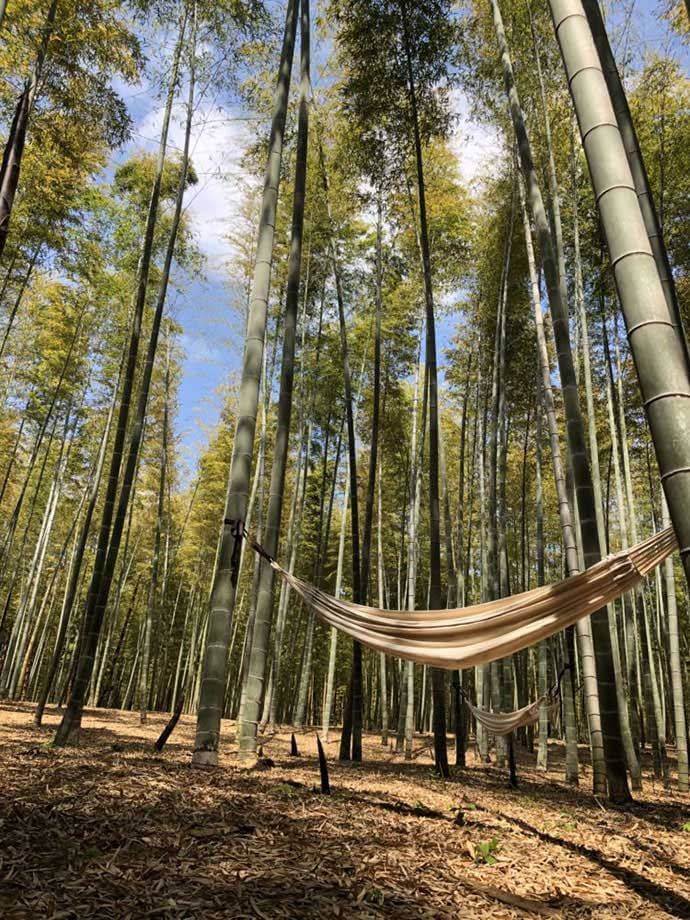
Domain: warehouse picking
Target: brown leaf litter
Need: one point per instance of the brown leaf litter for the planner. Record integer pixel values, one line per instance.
(111, 829)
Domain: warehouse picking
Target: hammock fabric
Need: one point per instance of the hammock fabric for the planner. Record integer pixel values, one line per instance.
(485, 632)
(503, 723)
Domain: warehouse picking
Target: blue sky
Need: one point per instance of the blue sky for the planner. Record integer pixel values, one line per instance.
(209, 309)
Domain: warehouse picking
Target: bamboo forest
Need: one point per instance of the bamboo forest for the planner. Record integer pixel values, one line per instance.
(344, 459)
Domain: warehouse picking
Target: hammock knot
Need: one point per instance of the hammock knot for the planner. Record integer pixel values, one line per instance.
(236, 528)
(240, 532)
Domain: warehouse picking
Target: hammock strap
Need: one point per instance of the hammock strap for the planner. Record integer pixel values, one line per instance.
(241, 531)
(555, 690)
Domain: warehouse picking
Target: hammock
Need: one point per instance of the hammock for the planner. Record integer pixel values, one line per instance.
(504, 723)
(485, 632)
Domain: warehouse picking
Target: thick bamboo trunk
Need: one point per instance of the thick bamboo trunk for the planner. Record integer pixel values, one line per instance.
(213, 677)
(608, 706)
(638, 171)
(14, 147)
(658, 350)
(264, 604)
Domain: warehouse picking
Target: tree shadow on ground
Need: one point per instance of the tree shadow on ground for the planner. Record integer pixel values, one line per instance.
(131, 831)
(280, 857)
(649, 890)
(162, 851)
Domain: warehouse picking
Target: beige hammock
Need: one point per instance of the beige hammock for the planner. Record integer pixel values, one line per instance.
(485, 632)
(503, 723)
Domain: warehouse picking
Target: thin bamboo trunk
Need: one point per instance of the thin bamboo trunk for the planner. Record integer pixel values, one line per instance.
(414, 491)
(564, 514)
(375, 415)
(322, 543)
(495, 445)
(108, 544)
(351, 735)
(27, 654)
(674, 653)
(436, 600)
(383, 679)
(542, 651)
(13, 457)
(18, 299)
(294, 530)
(17, 570)
(14, 517)
(152, 600)
(328, 701)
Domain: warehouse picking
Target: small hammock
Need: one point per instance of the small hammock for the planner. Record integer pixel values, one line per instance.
(484, 632)
(505, 723)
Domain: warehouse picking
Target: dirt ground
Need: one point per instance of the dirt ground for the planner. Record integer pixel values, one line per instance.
(111, 829)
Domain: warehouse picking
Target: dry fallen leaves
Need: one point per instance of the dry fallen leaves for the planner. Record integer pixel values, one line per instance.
(111, 829)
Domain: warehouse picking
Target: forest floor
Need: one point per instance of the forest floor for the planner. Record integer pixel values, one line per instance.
(112, 829)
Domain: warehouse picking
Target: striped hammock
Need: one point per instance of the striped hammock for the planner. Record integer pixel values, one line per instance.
(485, 632)
(504, 723)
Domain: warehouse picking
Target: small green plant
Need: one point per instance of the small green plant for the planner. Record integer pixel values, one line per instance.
(91, 853)
(686, 827)
(375, 896)
(485, 851)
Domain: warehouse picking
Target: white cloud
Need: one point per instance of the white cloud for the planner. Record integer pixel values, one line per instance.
(476, 144)
(201, 349)
(219, 138)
